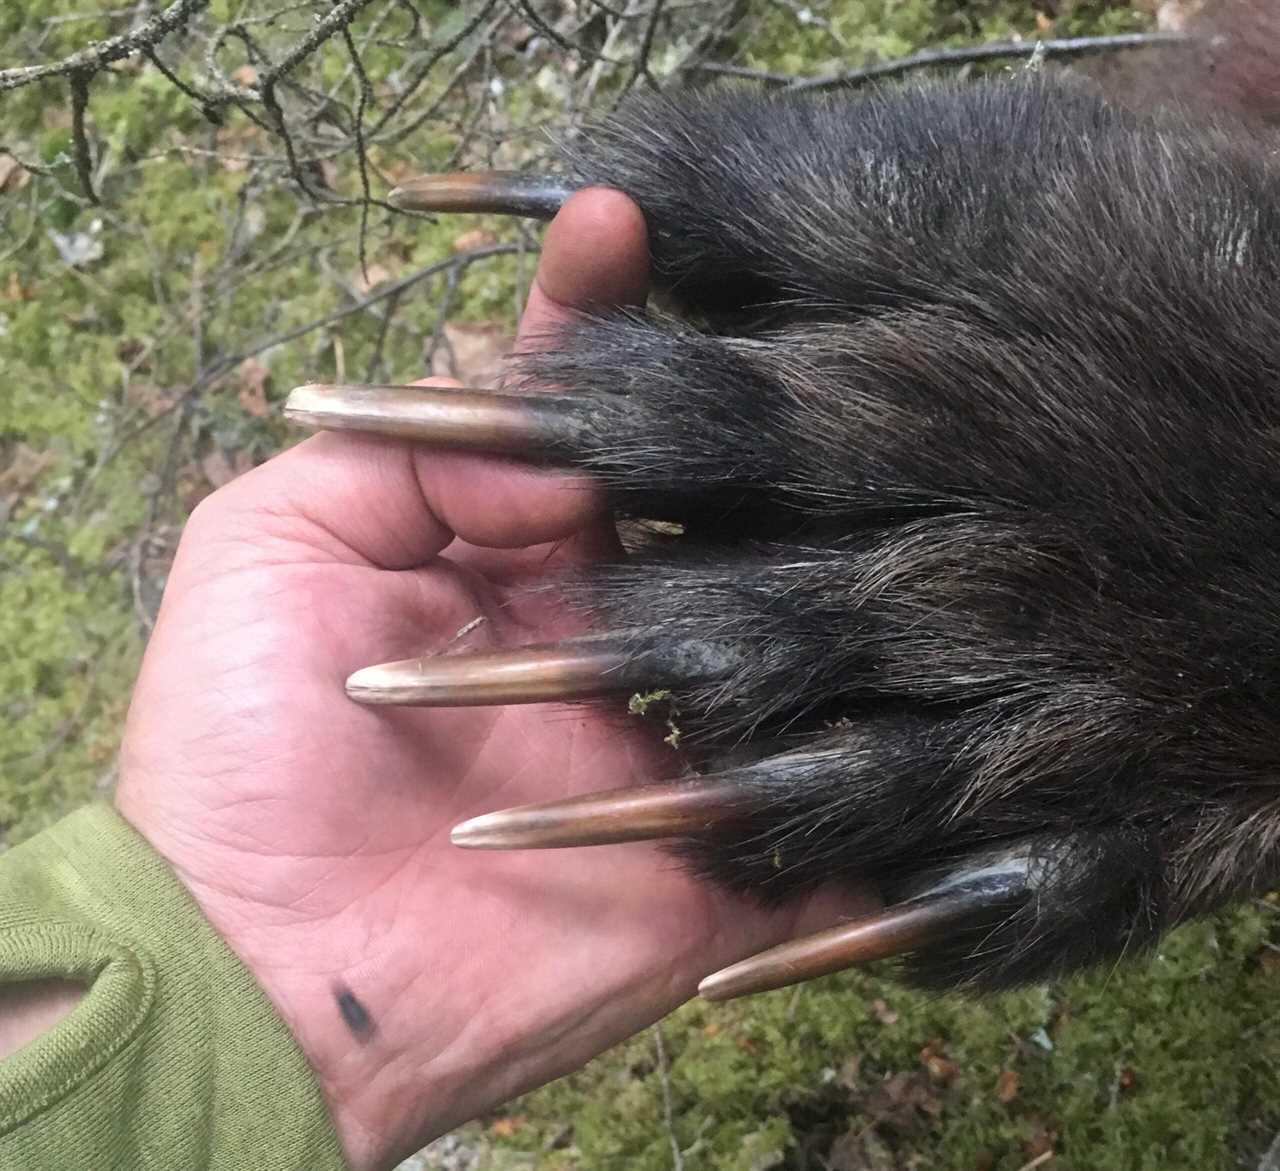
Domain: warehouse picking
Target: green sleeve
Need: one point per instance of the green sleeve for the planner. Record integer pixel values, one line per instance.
(174, 1059)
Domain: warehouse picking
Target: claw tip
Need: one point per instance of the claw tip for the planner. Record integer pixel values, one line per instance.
(302, 403)
(369, 685)
(714, 987)
(475, 834)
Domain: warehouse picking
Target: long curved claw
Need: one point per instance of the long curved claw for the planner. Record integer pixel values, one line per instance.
(602, 819)
(893, 932)
(957, 903)
(577, 669)
(534, 425)
(515, 193)
(531, 674)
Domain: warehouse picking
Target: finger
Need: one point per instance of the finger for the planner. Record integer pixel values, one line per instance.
(595, 255)
(363, 499)
(393, 505)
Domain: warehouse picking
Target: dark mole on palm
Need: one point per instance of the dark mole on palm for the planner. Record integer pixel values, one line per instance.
(354, 1014)
(967, 435)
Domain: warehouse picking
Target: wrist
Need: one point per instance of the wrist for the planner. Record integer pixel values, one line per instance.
(285, 954)
(404, 1050)
(30, 1008)
(347, 1023)
(390, 1084)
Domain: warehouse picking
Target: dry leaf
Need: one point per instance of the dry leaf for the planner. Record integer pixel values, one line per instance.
(476, 238)
(245, 75)
(516, 35)
(130, 351)
(252, 382)
(13, 175)
(860, 1149)
(883, 1013)
(472, 352)
(506, 1127)
(234, 144)
(1042, 1141)
(900, 1101)
(151, 398)
(15, 290)
(1007, 1086)
(939, 1068)
(364, 281)
(25, 465)
(218, 469)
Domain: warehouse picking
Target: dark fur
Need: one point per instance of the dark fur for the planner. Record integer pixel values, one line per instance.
(978, 454)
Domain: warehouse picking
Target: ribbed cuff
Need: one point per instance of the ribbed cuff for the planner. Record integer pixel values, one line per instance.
(174, 1058)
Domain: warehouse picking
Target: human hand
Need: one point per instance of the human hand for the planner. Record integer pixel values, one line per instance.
(314, 832)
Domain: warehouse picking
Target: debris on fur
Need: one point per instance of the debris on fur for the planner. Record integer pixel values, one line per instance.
(640, 703)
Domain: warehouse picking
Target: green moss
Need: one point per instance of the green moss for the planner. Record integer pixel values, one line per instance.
(1156, 1065)
(859, 32)
(98, 363)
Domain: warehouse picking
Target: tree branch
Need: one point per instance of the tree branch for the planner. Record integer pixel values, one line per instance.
(99, 55)
(79, 80)
(337, 19)
(952, 56)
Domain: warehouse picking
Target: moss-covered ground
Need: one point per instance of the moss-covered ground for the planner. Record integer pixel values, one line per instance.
(135, 382)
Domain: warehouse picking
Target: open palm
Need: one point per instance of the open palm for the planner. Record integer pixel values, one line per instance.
(314, 833)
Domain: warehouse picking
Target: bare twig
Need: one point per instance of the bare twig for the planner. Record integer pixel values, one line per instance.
(98, 56)
(362, 157)
(210, 111)
(374, 368)
(950, 57)
(337, 19)
(434, 58)
(641, 68)
(664, 1080)
(79, 81)
(1039, 1161)
(396, 288)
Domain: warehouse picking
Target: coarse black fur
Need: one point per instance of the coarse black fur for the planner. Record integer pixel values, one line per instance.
(976, 445)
